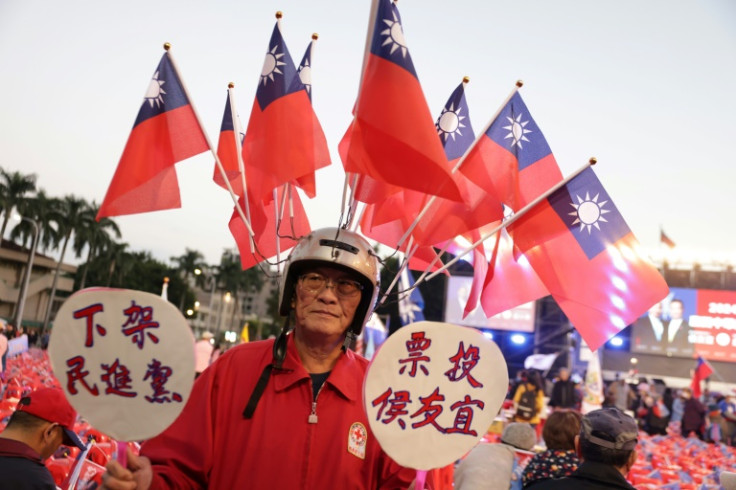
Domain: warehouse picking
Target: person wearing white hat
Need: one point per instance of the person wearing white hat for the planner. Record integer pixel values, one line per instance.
(285, 412)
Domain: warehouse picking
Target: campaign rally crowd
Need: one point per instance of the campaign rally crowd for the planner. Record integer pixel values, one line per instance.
(680, 442)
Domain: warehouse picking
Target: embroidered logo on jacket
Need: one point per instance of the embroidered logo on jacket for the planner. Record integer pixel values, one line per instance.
(357, 438)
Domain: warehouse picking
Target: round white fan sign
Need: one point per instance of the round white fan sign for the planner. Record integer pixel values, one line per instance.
(125, 360)
(432, 391)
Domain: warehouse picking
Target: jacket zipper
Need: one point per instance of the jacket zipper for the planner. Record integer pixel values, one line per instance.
(313, 416)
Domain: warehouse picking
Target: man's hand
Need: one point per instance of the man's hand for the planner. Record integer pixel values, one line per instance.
(137, 475)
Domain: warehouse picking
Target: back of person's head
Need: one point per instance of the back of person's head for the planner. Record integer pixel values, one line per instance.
(45, 405)
(560, 430)
(519, 435)
(608, 436)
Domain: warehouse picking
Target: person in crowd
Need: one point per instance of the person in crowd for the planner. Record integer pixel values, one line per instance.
(216, 352)
(563, 392)
(496, 466)
(606, 447)
(693, 415)
(42, 421)
(678, 409)
(288, 412)
(529, 399)
(727, 408)
(203, 353)
(560, 458)
(653, 415)
(619, 393)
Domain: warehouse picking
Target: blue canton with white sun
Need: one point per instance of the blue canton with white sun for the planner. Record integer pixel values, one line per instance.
(164, 92)
(515, 130)
(589, 213)
(278, 76)
(388, 37)
(453, 125)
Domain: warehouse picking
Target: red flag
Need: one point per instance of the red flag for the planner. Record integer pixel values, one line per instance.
(666, 240)
(284, 141)
(510, 281)
(392, 138)
(263, 222)
(588, 259)
(512, 160)
(227, 149)
(702, 371)
(166, 131)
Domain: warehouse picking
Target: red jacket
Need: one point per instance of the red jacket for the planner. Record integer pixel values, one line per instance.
(211, 445)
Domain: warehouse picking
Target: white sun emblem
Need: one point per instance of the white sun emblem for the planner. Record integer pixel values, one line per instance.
(589, 212)
(305, 75)
(450, 122)
(154, 92)
(517, 130)
(271, 65)
(394, 35)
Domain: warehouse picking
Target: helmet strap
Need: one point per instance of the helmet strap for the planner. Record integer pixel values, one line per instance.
(279, 354)
(349, 339)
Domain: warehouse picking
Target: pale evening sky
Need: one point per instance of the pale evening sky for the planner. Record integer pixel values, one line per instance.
(646, 87)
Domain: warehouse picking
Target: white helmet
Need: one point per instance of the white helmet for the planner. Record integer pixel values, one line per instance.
(342, 249)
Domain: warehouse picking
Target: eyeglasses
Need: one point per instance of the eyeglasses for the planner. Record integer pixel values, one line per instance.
(315, 283)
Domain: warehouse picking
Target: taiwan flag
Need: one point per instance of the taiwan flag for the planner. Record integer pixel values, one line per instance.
(446, 219)
(588, 259)
(702, 371)
(284, 140)
(322, 154)
(228, 148)
(512, 159)
(166, 131)
(392, 139)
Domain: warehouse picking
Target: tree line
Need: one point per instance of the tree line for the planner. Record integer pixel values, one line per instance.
(67, 225)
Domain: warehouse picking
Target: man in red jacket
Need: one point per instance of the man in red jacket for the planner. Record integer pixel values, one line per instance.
(301, 424)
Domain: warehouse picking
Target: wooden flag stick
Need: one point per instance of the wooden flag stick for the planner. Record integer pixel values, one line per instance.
(241, 164)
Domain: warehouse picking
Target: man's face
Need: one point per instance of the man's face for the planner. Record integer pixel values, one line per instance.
(564, 375)
(675, 310)
(325, 311)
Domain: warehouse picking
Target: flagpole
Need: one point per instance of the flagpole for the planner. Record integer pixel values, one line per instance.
(432, 199)
(241, 164)
(513, 218)
(366, 50)
(404, 264)
(167, 47)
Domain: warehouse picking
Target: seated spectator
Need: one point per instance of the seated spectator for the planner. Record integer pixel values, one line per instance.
(42, 422)
(560, 458)
(492, 466)
(606, 447)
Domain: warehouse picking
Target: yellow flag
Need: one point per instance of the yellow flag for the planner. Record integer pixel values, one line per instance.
(244, 337)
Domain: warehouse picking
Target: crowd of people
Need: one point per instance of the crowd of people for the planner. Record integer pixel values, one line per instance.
(288, 412)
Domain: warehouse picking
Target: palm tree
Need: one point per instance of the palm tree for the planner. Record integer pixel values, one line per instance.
(13, 189)
(44, 210)
(95, 236)
(115, 254)
(75, 219)
(185, 265)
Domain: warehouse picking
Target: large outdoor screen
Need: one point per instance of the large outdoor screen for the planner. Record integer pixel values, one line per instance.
(520, 318)
(687, 323)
